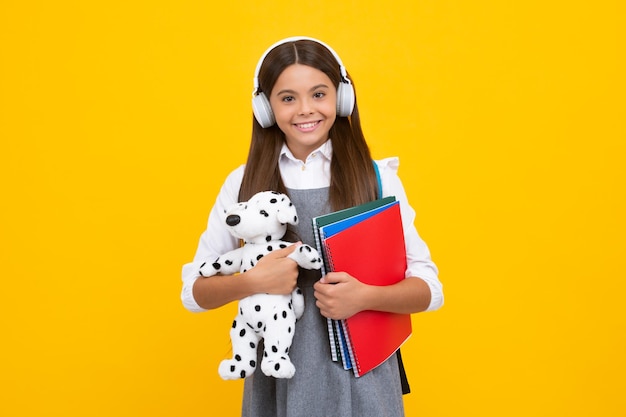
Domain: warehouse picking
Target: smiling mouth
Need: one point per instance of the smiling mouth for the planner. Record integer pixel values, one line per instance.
(307, 126)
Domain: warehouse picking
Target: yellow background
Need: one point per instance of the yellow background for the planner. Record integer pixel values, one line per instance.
(120, 119)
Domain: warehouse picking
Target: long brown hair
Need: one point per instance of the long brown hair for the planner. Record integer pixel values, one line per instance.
(353, 178)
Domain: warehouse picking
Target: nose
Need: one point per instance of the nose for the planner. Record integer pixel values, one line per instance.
(233, 220)
(306, 106)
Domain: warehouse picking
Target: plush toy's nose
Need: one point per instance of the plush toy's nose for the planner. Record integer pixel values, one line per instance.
(233, 220)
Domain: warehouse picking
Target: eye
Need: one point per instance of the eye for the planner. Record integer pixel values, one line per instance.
(319, 94)
(287, 99)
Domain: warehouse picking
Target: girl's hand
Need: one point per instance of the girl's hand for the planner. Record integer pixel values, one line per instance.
(275, 273)
(340, 295)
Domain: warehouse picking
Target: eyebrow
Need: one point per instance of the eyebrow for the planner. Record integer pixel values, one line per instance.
(287, 91)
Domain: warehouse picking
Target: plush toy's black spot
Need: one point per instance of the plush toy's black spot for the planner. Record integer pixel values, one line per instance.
(289, 305)
(259, 257)
(242, 333)
(257, 307)
(234, 323)
(245, 270)
(259, 324)
(243, 374)
(253, 363)
(284, 314)
(265, 354)
(277, 366)
(275, 316)
(306, 247)
(290, 204)
(237, 358)
(251, 263)
(216, 265)
(274, 349)
(264, 213)
(295, 219)
(232, 368)
(241, 312)
(250, 326)
(252, 345)
(268, 238)
(289, 329)
(270, 248)
(229, 262)
(283, 246)
(273, 201)
(298, 291)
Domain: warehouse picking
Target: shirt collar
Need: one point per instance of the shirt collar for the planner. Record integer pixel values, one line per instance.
(326, 149)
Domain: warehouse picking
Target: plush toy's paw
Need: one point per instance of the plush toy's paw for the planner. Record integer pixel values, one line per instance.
(207, 270)
(307, 257)
(226, 265)
(236, 368)
(278, 367)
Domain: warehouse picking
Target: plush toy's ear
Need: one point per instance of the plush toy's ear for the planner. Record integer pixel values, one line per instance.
(286, 212)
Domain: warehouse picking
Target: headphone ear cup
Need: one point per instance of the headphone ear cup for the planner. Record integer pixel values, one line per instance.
(345, 99)
(262, 110)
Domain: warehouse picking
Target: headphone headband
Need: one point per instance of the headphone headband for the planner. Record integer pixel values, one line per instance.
(342, 69)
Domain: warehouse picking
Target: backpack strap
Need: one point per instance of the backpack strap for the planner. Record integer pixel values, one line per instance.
(404, 382)
(380, 183)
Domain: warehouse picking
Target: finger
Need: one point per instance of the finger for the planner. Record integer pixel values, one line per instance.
(333, 278)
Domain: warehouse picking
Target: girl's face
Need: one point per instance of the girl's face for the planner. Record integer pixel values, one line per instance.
(304, 102)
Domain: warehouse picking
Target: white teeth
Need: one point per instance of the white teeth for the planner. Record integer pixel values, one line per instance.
(307, 125)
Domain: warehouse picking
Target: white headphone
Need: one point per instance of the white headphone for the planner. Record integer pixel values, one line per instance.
(261, 105)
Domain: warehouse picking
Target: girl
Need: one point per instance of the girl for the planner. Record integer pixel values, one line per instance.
(307, 142)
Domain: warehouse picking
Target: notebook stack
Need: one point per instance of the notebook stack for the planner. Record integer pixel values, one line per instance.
(367, 242)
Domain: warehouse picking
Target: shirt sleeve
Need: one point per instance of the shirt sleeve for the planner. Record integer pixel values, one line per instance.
(419, 262)
(214, 241)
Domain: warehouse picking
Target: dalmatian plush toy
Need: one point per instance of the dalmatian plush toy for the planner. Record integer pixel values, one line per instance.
(261, 222)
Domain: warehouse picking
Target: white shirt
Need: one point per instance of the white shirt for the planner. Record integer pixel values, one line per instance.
(311, 174)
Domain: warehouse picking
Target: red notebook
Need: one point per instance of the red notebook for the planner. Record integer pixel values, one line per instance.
(373, 251)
